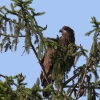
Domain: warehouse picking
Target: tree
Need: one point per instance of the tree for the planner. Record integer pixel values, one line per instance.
(25, 26)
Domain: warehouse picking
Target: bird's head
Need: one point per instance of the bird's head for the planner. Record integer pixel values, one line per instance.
(67, 33)
(66, 30)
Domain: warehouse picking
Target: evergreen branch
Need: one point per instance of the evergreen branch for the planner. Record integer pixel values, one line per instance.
(5, 78)
(2, 76)
(88, 66)
(26, 23)
(12, 12)
(7, 19)
(82, 50)
(1, 34)
(43, 28)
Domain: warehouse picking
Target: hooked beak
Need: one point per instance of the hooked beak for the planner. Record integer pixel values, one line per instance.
(60, 30)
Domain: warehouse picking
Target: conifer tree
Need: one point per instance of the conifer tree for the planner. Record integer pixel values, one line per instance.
(26, 26)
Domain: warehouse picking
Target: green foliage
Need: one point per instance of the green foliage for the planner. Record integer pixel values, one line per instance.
(25, 26)
(25, 22)
(21, 92)
(63, 60)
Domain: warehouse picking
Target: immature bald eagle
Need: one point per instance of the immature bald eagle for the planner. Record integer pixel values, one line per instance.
(66, 38)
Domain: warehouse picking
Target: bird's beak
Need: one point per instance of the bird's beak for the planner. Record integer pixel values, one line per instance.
(60, 30)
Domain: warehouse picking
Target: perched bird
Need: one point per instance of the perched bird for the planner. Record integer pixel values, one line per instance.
(66, 38)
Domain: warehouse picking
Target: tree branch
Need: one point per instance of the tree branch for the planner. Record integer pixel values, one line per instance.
(73, 88)
(11, 82)
(69, 86)
(85, 70)
(1, 34)
(39, 61)
(66, 82)
(7, 19)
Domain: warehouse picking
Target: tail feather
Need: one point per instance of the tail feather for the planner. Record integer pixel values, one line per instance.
(44, 84)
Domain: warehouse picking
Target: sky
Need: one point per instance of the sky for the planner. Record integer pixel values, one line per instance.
(72, 13)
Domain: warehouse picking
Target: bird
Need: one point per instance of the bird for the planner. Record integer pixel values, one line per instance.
(67, 37)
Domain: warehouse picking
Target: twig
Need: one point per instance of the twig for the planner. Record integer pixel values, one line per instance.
(83, 86)
(64, 84)
(1, 34)
(23, 53)
(39, 61)
(73, 88)
(85, 70)
(11, 82)
(3, 76)
(7, 19)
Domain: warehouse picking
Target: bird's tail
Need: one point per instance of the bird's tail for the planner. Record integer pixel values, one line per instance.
(44, 84)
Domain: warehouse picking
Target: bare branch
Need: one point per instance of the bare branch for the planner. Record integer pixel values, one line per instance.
(85, 71)
(1, 34)
(69, 86)
(39, 61)
(66, 82)
(74, 87)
